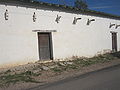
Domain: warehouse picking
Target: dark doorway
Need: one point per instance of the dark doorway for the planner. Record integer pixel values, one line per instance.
(114, 42)
(45, 46)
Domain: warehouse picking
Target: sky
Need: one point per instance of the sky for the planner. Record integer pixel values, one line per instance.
(107, 6)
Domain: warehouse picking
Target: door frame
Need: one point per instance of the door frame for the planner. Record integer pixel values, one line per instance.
(50, 44)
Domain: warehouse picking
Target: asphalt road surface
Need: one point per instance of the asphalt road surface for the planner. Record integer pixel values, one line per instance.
(106, 79)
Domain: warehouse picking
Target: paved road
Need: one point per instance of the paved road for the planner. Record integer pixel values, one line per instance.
(107, 79)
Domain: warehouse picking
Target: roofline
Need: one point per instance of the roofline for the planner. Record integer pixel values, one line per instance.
(49, 6)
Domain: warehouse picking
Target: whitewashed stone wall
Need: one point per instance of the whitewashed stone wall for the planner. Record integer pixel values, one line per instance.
(19, 44)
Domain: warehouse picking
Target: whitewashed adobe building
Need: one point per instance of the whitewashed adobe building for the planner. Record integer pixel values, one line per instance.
(31, 31)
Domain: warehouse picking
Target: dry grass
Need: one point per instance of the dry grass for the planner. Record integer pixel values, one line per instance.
(10, 77)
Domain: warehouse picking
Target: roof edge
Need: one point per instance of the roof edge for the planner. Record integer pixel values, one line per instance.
(37, 4)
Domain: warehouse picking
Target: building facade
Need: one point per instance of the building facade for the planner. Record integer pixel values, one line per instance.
(31, 33)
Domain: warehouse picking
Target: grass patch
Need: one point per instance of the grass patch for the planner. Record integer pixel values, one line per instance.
(83, 62)
(96, 59)
(72, 66)
(29, 73)
(68, 67)
(8, 79)
(56, 69)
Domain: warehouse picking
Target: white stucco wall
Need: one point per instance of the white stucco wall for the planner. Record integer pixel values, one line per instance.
(19, 44)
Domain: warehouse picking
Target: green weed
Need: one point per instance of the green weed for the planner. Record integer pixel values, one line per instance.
(8, 79)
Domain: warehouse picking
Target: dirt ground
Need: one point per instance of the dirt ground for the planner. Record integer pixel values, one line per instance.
(49, 76)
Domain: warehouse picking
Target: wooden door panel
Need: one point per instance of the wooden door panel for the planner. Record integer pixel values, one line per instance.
(114, 42)
(44, 53)
(44, 46)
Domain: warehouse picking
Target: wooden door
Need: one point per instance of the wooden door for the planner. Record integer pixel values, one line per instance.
(44, 46)
(114, 42)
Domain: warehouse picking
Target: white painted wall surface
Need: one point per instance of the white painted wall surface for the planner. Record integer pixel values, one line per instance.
(19, 44)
